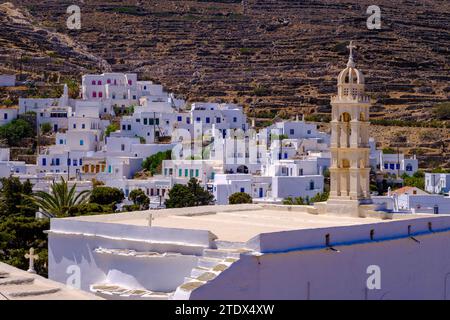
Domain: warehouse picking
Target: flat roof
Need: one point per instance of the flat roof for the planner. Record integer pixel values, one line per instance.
(16, 284)
(239, 223)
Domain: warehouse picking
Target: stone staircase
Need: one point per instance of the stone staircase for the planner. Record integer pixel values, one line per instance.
(17, 284)
(210, 265)
(21, 287)
(117, 292)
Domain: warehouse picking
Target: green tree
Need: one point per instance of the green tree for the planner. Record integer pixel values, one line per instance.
(106, 195)
(139, 199)
(190, 195)
(19, 230)
(201, 196)
(17, 235)
(60, 199)
(46, 128)
(240, 197)
(90, 209)
(15, 131)
(154, 162)
(180, 196)
(13, 198)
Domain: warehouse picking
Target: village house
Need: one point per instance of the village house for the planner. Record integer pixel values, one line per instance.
(397, 164)
(7, 114)
(437, 182)
(7, 80)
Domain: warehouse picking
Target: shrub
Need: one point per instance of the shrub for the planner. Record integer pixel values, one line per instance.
(8, 102)
(240, 197)
(320, 197)
(442, 111)
(90, 209)
(111, 128)
(46, 128)
(261, 91)
(389, 150)
(130, 208)
(288, 201)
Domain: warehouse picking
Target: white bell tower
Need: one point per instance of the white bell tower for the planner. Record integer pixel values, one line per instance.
(350, 167)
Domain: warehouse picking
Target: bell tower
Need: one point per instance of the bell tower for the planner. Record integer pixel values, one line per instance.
(350, 167)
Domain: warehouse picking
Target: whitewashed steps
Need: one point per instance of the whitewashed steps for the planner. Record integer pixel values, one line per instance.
(27, 291)
(15, 281)
(206, 262)
(197, 271)
(221, 253)
(117, 292)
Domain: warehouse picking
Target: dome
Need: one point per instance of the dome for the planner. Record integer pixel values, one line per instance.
(351, 75)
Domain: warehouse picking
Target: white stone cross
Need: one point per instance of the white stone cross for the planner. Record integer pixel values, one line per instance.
(32, 257)
(351, 47)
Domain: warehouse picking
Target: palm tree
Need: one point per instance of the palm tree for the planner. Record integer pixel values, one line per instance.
(60, 199)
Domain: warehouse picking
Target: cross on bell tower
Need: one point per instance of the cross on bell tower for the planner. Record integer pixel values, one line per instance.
(350, 62)
(350, 168)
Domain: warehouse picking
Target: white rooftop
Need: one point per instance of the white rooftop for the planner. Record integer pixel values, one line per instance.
(239, 223)
(16, 284)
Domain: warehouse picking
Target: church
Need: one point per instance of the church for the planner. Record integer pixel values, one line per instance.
(345, 248)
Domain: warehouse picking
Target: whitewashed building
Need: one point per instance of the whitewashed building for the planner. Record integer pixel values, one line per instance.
(205, 253)
(437, 182)
(7, 114)
(7, 80)
(83, 138)
(397, 164)
(56, 117)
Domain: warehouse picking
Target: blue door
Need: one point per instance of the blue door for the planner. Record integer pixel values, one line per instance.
(261, 192)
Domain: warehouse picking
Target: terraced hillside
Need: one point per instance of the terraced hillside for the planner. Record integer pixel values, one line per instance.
(280, 57)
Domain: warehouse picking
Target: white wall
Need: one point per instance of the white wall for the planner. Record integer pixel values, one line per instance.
(70, 244)
(283, 187)
(409, 270)
(7, 115)
(437, 182)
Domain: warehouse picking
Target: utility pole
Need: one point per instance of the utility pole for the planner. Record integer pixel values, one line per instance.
(154, 127)
(68, 165)
(37, 138)
(21, 67)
